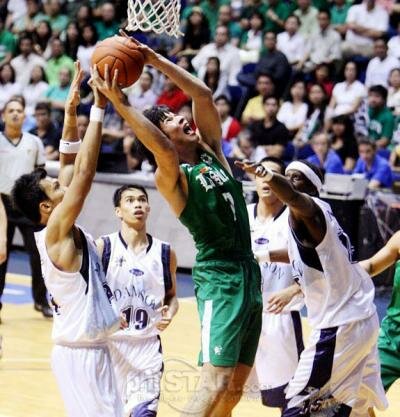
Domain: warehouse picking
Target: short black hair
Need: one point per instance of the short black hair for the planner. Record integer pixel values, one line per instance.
(43, 105)
(222, 97)
(366, 141)
(267, 97)
(119, 191)
(380, 90)
(276, 161)
(325, 11)
(157, 114)
(27, 194)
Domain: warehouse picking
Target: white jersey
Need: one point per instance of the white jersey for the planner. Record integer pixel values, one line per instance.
(138, 282)
(272, 235)
(81, 301)
(336, 290)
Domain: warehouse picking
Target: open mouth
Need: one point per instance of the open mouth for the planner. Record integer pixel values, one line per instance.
(138, 213)
(187, 130)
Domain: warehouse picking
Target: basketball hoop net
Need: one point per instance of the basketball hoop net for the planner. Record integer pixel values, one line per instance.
(159, 16)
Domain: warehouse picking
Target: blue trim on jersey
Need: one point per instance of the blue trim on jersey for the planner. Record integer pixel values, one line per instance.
(150, 239)
(84, 270)
(274, 397)
(309, 256)
(122, 240)
(298, 331)
(105, 257)
(166, 262)
(142, 410)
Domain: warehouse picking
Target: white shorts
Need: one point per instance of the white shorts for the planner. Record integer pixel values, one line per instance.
(138, 367)
(339, 372)
(86, 380)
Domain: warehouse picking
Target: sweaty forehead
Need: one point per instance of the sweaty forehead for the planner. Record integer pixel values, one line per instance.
(133, 192)
(295, 172)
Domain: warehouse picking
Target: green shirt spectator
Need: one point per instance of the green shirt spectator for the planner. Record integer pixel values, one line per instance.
(381, 124)
(57, 20)
(107, 26)
(320, 4)
(225, 18)
(7, 44)
(275, 13)
(57, 61)
(339, 13)
(210, 9)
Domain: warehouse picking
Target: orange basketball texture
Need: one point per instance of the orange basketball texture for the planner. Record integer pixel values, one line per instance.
(122, 54)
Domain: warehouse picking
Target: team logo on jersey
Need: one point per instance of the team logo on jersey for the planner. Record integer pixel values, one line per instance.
(204, 170)
(218, 350)
(206, 158)
(120, 261)
(261, 241)
(136, 272)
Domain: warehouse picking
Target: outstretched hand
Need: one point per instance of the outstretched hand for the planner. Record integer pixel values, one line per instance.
(74, 97)
(251, 167)
(150, 57)
(105, 87)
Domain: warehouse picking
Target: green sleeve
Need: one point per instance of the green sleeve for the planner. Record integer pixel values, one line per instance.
(388, 126)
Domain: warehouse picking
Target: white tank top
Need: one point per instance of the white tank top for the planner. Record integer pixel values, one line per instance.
(81, 301)
(138, 282)
(272, 235)
(336, 290)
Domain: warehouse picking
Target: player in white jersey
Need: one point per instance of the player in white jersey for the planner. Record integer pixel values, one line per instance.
(71, 267)
(141, 272)
(338, 372)
(281, 339)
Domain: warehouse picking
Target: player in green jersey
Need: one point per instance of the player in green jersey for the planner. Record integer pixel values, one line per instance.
(194, 177)
(389, 336)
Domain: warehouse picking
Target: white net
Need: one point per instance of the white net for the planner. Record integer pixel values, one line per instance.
(159, 16)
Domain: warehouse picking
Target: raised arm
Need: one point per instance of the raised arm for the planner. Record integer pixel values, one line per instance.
(385, 258)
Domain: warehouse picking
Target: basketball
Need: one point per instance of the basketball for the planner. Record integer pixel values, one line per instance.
(122, 54)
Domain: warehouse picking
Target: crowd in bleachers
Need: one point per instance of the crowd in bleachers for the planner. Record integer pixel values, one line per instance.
(317, 80)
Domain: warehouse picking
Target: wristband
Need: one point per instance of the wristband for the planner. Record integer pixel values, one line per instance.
(96, 114)
(264, 172)
(69, 147)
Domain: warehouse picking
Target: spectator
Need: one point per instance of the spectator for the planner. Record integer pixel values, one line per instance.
(322, 77)
(339, 10)
(347, 95)
(24, 63)
(41, 39)
(270, 136)
(184, 61)
(365, 22)
(8, 86)
(47, 131)
(133, 160)
(381, 65)
(375, 168)
(324, 156)
(84, 15)
(20, 153)
(323, 45)
(227, 54)
(214, 79)
(344, 142)
(381, 121)
(276, 13)
(230, 126)
(82, 122)
(244, 149)
(225, 18)
(143, 97)
(57, 62)
(251, 40)
(211, 9)
(291, 42)
(394, 44)
(57, 94)
(172, 96)
(250, 7)
(87, 44)
(393, 100)
(35, 90)
(293, 112)
(308, 17)
(57, 20)
(7, 44)
(72, 39)
(33, 16)
(254, 109)
(107, 26)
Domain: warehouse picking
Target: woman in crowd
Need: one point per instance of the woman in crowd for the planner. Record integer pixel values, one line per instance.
(88, 42)
(41, 38)
(71, 39)
(216, 79)
(8, 86)
(251, 41)
(393, 100)
(34, 91)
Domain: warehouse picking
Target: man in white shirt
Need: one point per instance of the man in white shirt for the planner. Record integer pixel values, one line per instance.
(308, 17)
(143, 97)
(379, 68)
(227, 54)
(365, 22)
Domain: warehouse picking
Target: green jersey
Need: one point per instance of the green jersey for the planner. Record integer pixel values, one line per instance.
(215, 212)
(393, 310)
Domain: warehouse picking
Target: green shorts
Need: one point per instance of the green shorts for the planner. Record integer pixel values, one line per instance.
(229, 302)
(389, 352)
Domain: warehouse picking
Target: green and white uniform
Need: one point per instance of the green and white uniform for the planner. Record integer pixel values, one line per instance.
(389, 336)
(226, 275)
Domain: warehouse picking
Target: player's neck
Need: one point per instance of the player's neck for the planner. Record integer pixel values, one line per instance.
(189, 154)
(267, 210)
(12, 132)
(136, 239)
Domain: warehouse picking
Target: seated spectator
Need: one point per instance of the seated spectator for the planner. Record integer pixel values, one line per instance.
(276, 13)
(291, 42)
(7, 44)
(393, 100)
(230, 126)
(41, 39)
(57, 94)
(143, 96)
(24, 63)
(225, 18)
(184, 61)
(293, 112)
(82, 123)
(381, 121)
(8, 86)
(339, 11)
(214, 79)
(375, 168)
(251, 40)
(57, 20)
(84, 15)
(308, 17)
(325, 157)
(33, 16)
(133, 159)
(365, 23)
(343, 142)
(269, 135)
(254, 109)
(57, 62)
(323, 45)
(47, 131)
(35, 90)
(211, 11)
(106, 25)
(244, 148)
(227, 54)
(347, 95)
(86, 47)
(322, 77)
(71, 37)
(172, 96)
(381, 65)
(394, 44)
